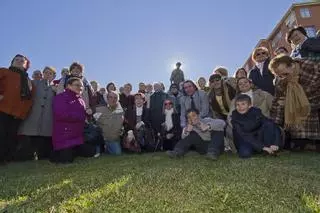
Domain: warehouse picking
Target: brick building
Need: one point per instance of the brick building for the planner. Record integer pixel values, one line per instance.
(300, 14)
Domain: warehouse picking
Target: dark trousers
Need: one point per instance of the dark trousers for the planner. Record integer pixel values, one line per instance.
(216, 146)
(168, 144)
(31, 147)
(193, 139)
(8, 135)
(267, 135)
(42, 146)
(68, 155)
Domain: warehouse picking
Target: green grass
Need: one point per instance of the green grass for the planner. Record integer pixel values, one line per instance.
(155, 183)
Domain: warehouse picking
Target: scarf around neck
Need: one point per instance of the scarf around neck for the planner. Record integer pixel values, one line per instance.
(168, 119)
(297, 106)
(25, 91)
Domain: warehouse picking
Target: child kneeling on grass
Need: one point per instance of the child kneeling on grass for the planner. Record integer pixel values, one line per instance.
(252, 131)
(207, 135)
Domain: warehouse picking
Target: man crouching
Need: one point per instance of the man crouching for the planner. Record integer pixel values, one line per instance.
(204, 134)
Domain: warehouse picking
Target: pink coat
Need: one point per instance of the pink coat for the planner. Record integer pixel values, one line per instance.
(68, 120)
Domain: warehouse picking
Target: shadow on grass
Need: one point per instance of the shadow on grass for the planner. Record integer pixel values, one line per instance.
(155, 183)
(36, 191)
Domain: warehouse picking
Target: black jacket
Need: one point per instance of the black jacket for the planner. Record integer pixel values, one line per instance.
(264, 81)
(156, 110)
(130, 118)
(176, 130)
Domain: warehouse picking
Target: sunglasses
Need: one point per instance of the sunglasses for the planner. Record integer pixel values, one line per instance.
(168, 103)
(261, 53)
(215, 80)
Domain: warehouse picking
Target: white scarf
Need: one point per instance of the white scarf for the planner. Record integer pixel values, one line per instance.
(260, 67)
(139, 111)
(168, 121)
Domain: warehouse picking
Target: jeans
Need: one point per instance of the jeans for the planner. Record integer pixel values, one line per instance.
(112, 147)
(269, 134)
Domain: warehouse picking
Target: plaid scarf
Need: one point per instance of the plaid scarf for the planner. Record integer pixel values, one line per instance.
(297, 106)
(25, 91)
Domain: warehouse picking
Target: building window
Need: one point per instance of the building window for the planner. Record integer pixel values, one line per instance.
(291, 20)
(311, 31)
(276, 39)
(305, 13)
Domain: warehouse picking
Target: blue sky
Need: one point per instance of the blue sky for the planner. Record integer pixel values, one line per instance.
(136, 40)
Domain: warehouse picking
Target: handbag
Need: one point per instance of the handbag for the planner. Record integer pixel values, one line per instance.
(93, 134)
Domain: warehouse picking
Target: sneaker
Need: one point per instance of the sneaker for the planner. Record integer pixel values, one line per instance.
(173, 154)
(212, 156)
(96, 155)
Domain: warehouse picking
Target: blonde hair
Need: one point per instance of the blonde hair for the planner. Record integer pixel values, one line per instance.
(52, 69)
(253, 56)
(280, 59)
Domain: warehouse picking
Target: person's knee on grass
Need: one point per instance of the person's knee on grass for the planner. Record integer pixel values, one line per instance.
(251, 128)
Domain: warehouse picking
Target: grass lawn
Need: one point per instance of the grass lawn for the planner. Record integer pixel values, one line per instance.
(155, 183)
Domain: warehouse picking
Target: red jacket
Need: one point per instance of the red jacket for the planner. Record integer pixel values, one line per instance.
(12, 104)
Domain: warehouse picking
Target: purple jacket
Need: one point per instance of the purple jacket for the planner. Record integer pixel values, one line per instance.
(68, 120)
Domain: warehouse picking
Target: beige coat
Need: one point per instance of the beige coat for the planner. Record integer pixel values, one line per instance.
(111, 122)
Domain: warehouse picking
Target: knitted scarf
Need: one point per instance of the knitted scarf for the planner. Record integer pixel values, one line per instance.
(25, 91)
(297, 106)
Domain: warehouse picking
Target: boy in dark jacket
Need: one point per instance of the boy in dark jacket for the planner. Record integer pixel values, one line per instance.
(252, 131)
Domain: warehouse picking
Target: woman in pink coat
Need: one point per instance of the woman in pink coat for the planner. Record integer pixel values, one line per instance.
(69, 117)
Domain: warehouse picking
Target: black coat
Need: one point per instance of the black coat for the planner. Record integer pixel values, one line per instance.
(265, 81)
(249, 122)
(156, 110)
(311, 49)
(130, 118)
(176, 130)
(127, 102)
(248, 126)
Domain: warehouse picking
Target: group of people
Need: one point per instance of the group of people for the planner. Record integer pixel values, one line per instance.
(273, 106)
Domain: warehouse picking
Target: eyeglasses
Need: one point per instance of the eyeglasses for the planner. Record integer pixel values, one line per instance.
(261, 53)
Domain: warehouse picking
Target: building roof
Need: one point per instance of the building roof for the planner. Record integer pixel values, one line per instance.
(276, 28)
(274, 31)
